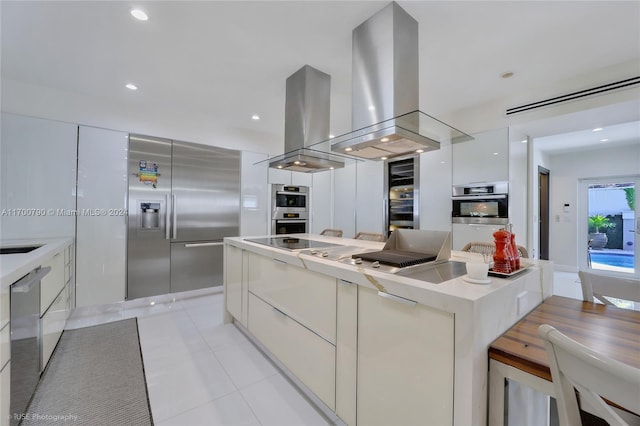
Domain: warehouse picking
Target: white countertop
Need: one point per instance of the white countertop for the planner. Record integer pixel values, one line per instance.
(15, 266)
(442, 296)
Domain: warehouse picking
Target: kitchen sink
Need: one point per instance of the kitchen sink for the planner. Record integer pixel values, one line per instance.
(18, 249)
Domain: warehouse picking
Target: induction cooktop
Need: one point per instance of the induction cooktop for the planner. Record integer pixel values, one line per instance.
(291, 243)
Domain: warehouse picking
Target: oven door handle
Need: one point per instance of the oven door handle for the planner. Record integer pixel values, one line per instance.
(291, 221)
(480, 197)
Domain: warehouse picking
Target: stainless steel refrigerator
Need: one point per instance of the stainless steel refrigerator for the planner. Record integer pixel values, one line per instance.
(184, 198)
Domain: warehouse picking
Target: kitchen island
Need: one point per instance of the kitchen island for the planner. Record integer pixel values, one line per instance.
(55, 301)
(369, 346)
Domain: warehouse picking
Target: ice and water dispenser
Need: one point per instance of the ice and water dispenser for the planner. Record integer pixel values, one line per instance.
(150, 216)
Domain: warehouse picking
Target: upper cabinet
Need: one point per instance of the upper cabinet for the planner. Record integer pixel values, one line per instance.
(484, 159)
(38, 177)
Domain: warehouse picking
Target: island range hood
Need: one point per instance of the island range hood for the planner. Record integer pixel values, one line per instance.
(385, 89)
(307, 123)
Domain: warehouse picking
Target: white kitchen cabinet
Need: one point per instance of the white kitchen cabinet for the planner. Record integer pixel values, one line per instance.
(307, 297)
(4, 305)
(463, 233)
(308, 356)
(69, 276)
(370, 196)
(405, 362)
(346, 351)
(101, 237)
(5, 344)
(321, 203)
(52, 325)
(255, 195)
(5, 388)
(38, 176)
(435, 189)
(233, 285)
(344, 207)
(483, 159)
(52, 283)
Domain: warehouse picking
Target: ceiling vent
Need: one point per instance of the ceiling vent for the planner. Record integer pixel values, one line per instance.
(622, 84)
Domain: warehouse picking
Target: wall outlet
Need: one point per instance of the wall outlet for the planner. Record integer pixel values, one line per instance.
(521, 303)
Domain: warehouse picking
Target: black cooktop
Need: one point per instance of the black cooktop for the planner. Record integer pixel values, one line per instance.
(397, 258)
(291, 243)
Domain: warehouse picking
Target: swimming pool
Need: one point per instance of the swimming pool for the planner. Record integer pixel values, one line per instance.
(623, 260)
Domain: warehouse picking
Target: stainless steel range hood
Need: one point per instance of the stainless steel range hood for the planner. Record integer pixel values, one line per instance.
(307, 123)
(385, 91)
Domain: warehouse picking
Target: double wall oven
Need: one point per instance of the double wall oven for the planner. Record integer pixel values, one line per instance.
(290, 210)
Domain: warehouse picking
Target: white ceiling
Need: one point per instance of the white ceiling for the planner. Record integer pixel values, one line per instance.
(219, 62)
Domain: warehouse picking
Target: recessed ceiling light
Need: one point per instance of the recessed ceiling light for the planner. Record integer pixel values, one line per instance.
(508, 74)
(131, 86)
(280, 166)
(139, 15)
(348, 149)
(383, 158)
(604, 140)
(419, 151)
(331, 168)
(255, 117)
(384, 140)
(597, 129)
(297, 163)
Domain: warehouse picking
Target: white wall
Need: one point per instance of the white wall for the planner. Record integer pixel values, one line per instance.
(566, 170)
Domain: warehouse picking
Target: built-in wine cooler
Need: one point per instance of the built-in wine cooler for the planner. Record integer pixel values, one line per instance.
(402, 192)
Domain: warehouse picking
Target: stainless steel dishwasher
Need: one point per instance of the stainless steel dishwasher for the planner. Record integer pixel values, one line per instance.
(25, 341)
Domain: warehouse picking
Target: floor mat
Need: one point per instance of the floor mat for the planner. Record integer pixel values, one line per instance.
(95, 377)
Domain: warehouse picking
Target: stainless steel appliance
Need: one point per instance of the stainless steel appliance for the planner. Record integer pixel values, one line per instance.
(402, 194)
(290, 212)
(306, 122)
(481, 203)
(385, 118)
(407, 248)
(292, 243)
(25, 341)
(184, 198)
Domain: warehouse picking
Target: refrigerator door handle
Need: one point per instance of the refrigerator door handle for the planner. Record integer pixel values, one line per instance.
(190, 245)
(174, 212)
(167, 235)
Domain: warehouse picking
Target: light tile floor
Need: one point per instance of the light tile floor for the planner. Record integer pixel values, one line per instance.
(203, 372)
(200, 371)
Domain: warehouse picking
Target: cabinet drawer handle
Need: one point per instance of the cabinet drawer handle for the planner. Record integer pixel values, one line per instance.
(282, 262)
(279, 312)
(397, 298)
(345, 282)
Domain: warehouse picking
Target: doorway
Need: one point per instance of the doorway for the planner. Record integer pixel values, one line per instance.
(543, 213)
(609, 226)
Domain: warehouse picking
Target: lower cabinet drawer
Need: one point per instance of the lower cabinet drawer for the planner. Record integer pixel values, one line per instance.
(53, 282)
(52, 324)
(5, 342)
(304, 353)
